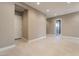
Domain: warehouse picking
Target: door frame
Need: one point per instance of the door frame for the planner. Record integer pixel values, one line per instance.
(58, 18)
(20, 24)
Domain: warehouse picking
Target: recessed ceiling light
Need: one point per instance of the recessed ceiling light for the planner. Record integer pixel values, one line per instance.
(38, 3)
(47, 10)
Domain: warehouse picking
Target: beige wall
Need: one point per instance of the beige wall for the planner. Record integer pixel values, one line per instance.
(25, 24)
(37, 24)
(70, 25)
(34, 23)
(7, 30)
(50, 26)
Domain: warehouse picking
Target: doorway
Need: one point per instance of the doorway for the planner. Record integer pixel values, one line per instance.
(18, 25)
(58, 28)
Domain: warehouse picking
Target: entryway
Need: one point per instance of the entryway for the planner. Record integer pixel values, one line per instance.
(58, 29)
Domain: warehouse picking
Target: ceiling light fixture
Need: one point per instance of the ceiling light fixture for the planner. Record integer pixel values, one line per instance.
(38, 3)
(47, 10)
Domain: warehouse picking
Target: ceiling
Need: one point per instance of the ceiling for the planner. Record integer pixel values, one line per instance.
(52, 9)
(18, 8)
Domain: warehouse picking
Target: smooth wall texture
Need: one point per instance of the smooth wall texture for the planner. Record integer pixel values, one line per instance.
(25, 24)
(70, 25)
(50, 26)
(18, 26)
(7, 27)
(34, 23)
(37, 24)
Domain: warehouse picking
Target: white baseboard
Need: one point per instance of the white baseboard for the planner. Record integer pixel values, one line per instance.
(33, 40)
(70, 37)
(6, 48)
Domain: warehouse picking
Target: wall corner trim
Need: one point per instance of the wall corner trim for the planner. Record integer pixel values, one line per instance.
(8, 47)
(33, 40)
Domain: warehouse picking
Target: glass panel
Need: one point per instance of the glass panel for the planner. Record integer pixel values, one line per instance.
(58, 27)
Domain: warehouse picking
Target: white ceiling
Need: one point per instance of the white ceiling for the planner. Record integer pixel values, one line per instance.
(56, 8)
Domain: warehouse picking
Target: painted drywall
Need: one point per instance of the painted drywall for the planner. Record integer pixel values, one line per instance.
(70, 25)
(37, 24)
(7, 27)
(18, 25)
(50, 26)
(25, 24)
(34, 23)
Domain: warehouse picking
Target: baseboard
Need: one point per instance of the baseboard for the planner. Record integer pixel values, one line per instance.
(6, 48)
(70, 37)
(33, 40)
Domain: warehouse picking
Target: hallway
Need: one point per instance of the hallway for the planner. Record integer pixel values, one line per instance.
(48, 46)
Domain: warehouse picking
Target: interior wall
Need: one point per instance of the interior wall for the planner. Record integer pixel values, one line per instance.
(70, 25)
(37, 24)
(7, 28)
(51, 26)
(18, 25)
(34, 23)
(25, 24)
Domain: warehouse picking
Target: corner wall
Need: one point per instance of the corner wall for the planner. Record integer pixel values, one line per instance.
(37, 24)
(25, 24)
(7, 25)
(70, 25)
(34, 23)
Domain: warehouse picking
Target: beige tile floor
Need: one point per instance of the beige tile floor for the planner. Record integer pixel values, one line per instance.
(45, 47)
